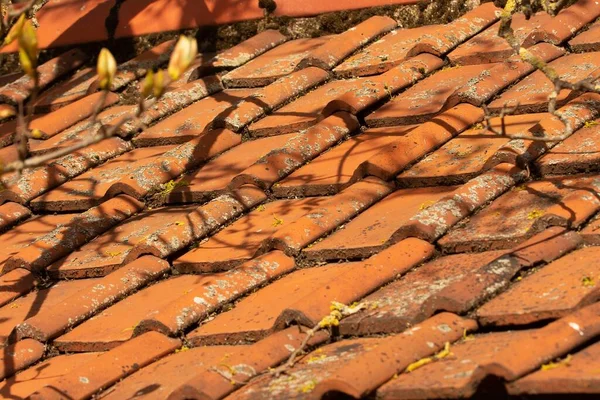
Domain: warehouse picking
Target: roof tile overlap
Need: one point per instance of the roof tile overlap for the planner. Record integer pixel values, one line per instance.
(280, 175)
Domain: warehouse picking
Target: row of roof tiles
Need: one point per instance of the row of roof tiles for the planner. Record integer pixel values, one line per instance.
(403, 192)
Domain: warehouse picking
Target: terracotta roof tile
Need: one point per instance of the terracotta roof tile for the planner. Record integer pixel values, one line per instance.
(204, 220)
(580, 377)
(109, 368)
(552, 292)
(273, 64)
(39, 301)
(524, 211)
(576, 114)
(298, 150)
(11, 214)
(578, 153)
(52, 123)
(435, 220)
(214, 221)
(20, 355)
(39, 375)
(265, 99)
(137, 172)
(245, 362)
(162, 377)
(488, 47)
(341, 46)
(468, 154)
(356, 367)
(394, 157)
(507, 355)
(473, 84)
(102, 292)
(304, 296)
(212, 291)
(248, 49)
(532, 92)
(14, 284)
(328, 216)
(241, 240)
(107, 252)
(190, 122)
(170, 305)
(24, 234)
(588, 40)
(332, 170)
(49, 72)
(79, 230)
(351, 95)
(454, 283)
(71, 89)
(89, 188)
(33, 182)
(79, 131)
(401, 44)
(370, 231)
(213, 177)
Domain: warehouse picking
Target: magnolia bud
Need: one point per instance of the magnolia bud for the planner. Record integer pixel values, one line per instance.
(28, 50)
(106, 68)
(36, 133)
(15, 30)
(7, 112)
(184, 53)
(159, 83)
(148, 84)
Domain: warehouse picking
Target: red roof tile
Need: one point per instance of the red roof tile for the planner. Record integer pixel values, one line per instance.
(26, 382)
(109, 368)
(304, 296)
(556, 290)
(356, 367)
(524, 211)
(507, 355)
(214, 222)
(579, 378)
(273, 64)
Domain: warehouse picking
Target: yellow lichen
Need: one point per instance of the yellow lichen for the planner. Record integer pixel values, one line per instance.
(467, 337)
(179, 223)
(112, 253)
(588, 281)
(589, 124)
(168, 187)
(182, 349)
(535, 214)
(445, 352)
(418, 364)
(314, 359)
(426, 204)
(565, 362)
(277, 221)
(308, 387)
(261, 208)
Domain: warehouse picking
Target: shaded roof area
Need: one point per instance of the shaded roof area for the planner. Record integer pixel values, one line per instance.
(188, 259)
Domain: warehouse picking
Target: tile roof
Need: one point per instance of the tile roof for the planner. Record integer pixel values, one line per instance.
(188, 259)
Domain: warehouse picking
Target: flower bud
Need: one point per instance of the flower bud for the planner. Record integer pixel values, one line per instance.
(159, 83)
(106, 68)
(184, 53)
(15, 30)
(148, 84)
(28, 50)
